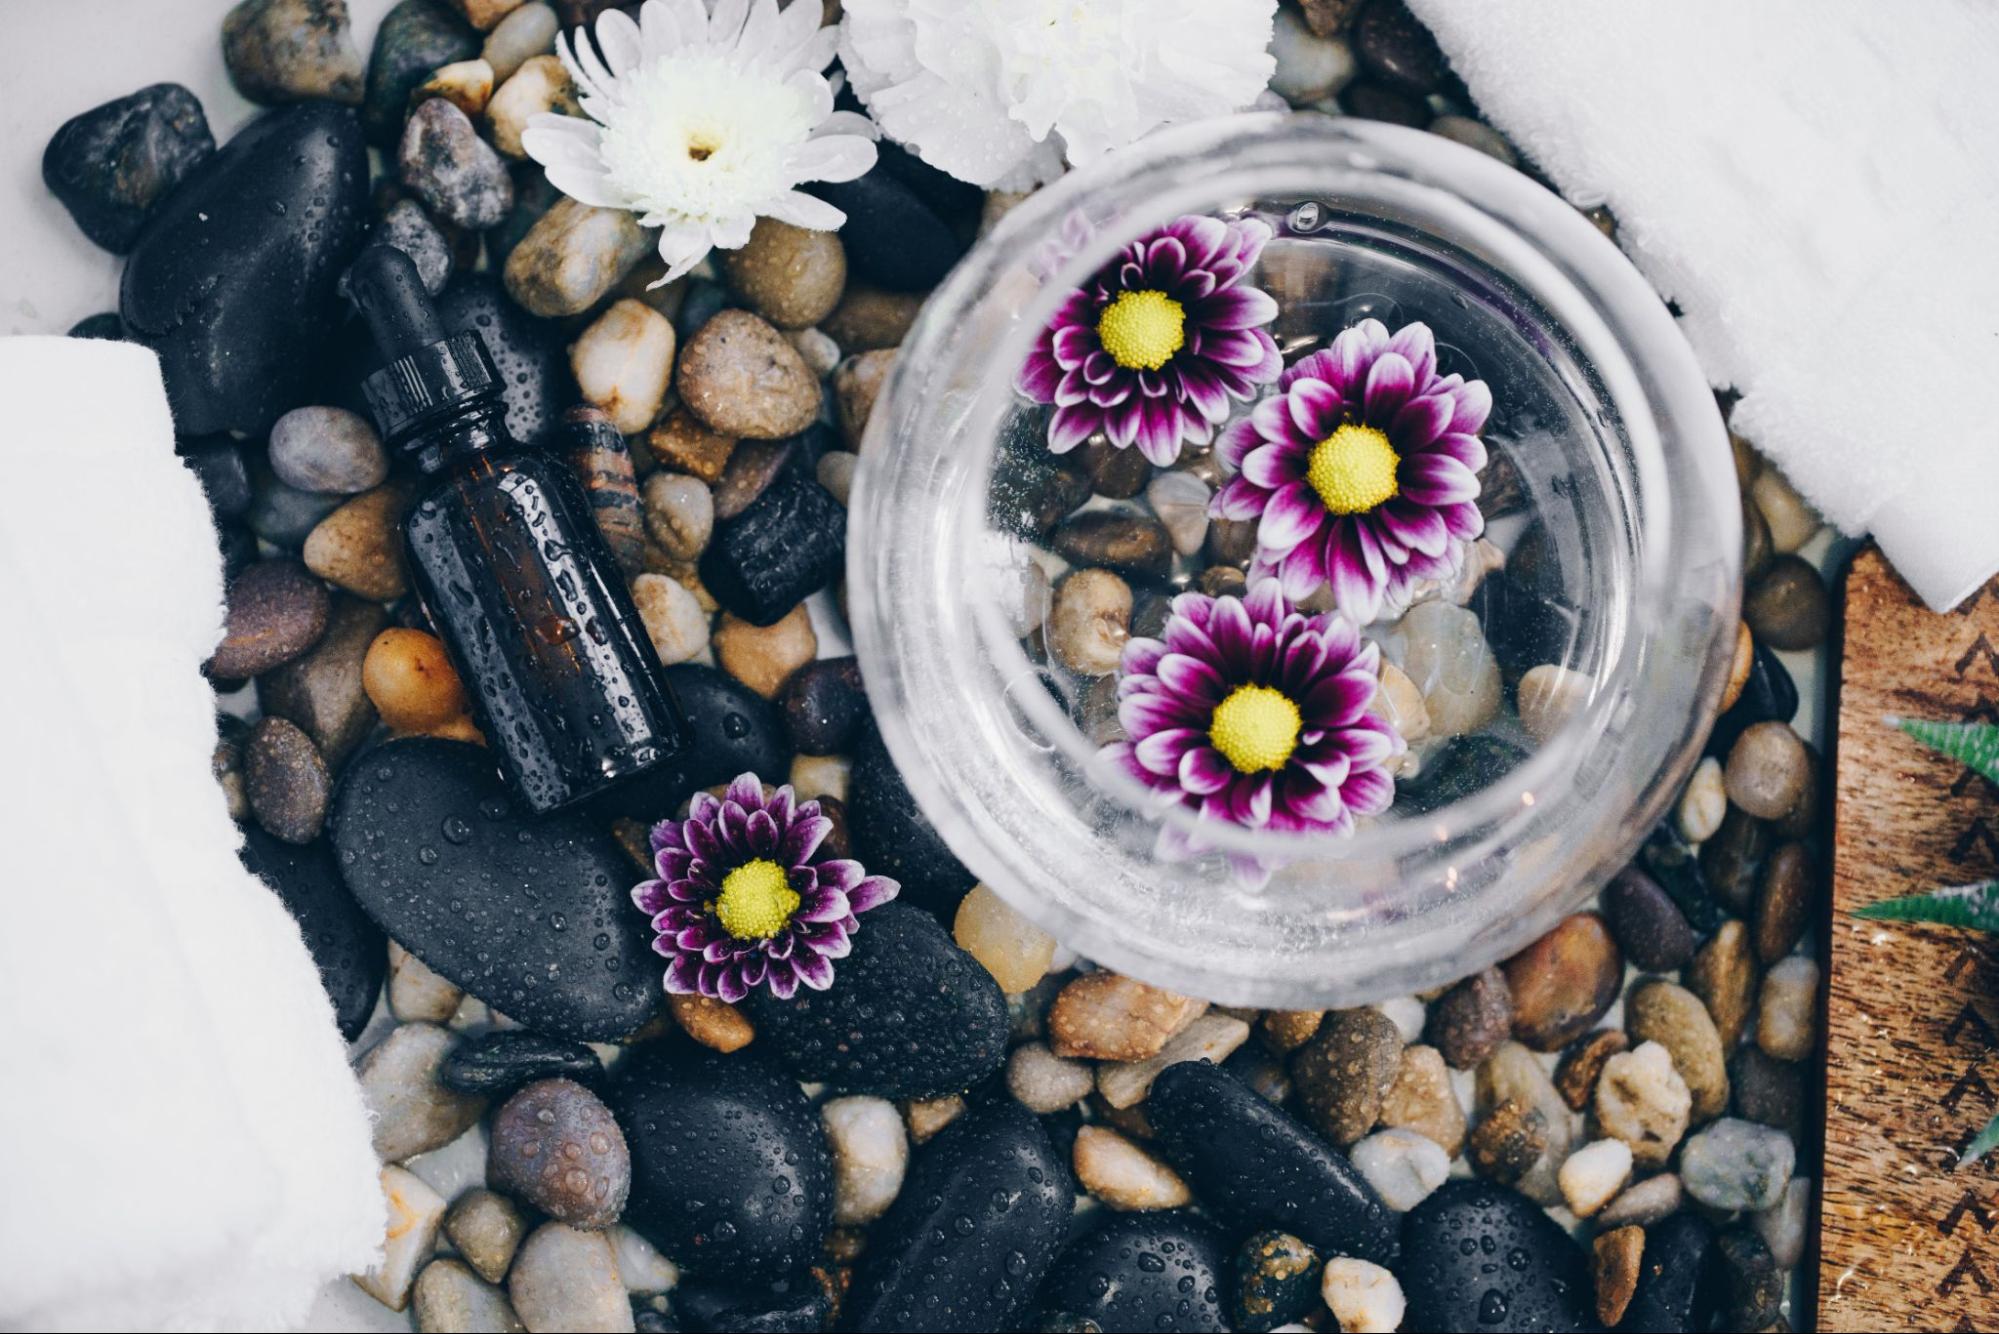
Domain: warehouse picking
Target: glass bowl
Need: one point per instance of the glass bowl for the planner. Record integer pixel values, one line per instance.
(1610, 462)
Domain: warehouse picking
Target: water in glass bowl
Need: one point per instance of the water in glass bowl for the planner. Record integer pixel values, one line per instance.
(1483, 666)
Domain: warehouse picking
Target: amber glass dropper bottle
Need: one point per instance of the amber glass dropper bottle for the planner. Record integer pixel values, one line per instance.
(509, 564)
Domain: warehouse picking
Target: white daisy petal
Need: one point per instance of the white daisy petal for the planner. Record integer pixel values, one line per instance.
(725, 23)
(803, 210)
(838, 157)
(619, 39)
(683, 246)
(847, 122)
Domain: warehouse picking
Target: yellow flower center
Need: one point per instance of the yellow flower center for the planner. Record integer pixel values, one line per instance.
(1353, 469)
(756, 900)
(1255, 728)
(1142, 330)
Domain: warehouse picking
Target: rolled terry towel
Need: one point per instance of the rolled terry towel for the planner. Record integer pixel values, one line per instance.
(188, 1148)
(1813, 184)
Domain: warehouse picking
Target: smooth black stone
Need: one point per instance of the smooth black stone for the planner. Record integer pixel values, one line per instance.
(1145, 1271)
(352, 953)
(790, 542)
(909, 1014)
(950, 198)
(492, 1063)
(732, 730)
(1274, 1281)
(217, 463)
(731, 1175)
(1397, 49)
(1524, 627)
(1669, 1297)
(1675, 867)
(1032, 490)
(648, 1319)
(1371, 100)
(825, 706)
(112, 164)
(106, 327)
(1769, 695)
(1745, 1289)
(789, 1306)
(893, 838)
(1650, 928)
(415, 38)
(530, 352)
(531, 916)
(705, 300)
(892, 237)
(1252, 1165)
(966, 1244)
(233, 282)
(1476, 1255)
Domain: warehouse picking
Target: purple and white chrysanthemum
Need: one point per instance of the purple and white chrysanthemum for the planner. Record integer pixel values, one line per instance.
(1362, 470)
(1158, 346)
(1253, 713)
(745, 898)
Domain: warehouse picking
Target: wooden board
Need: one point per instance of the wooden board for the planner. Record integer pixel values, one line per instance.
(1912, 1065)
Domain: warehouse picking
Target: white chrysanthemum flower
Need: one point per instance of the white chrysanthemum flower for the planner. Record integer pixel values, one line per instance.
(704, 117)
(997, 92)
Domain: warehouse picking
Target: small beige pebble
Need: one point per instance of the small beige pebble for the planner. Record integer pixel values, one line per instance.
(413, 1111)
(1397, 699)
(1013, 949)
(1703, 803)
(1592, 1175)
(1643, 1203)
(1210, 1037)
(1444, 652)
(744, 379)
(679, 513)
(1791, 521)
(449, 1298)
(644, 1270)
(763, 657)
(1107, 1016)
(818, 349)
(415, 1210)
(816, 776)
(1767, 771)
(528, 31)
(792, 276)
(712, 1023)
(1663, 1012)
(540, 87)
(870, 1153)
(417, 993)
(836, 473)
(1124, 1176)
(466, 84)
(1090, 622)
(1787, 1009)
(1422, 1099)
(1549, 696)
(673, 618)
(1364, 1297)
(486, 1228)
(1641, 1100)
(1045, 1083)
(856, 385)
(623, 362)
(926, 1116)
(567, 1279)
(359, 546)
(572, 256)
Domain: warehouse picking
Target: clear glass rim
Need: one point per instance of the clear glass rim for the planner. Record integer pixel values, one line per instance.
(1539, 221)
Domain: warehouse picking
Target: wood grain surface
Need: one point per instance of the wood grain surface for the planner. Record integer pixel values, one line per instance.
(1912, 1052)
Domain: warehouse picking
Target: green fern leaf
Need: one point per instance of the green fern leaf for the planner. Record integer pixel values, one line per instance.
(1975, 744)
(1966, 905)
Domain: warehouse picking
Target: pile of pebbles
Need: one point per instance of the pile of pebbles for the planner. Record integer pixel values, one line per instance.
(972, 1129)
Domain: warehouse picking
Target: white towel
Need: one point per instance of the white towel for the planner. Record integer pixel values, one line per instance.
(186, 1146)
(1815, 184)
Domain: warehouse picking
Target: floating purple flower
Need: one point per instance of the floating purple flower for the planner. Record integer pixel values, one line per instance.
(1250, 712)
(1363, 469)
(744, 898)
(1153, 351)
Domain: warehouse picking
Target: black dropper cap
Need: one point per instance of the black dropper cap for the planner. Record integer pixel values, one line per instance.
(430, 375)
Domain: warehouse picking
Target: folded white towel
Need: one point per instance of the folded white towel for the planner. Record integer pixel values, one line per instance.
(187, 1148)
(1813, 183)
